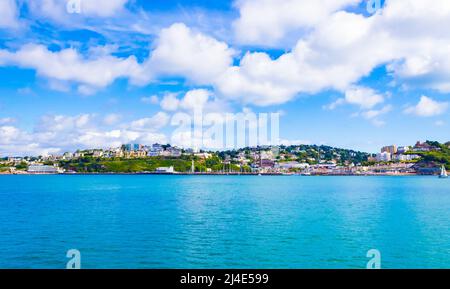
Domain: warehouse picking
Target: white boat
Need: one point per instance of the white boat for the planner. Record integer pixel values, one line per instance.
(443, 174)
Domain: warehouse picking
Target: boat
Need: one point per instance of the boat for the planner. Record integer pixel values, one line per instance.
(443, 174)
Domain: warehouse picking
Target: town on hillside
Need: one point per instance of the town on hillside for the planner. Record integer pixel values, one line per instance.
(423, 158)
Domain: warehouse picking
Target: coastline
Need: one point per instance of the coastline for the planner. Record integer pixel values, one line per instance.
(217, 174)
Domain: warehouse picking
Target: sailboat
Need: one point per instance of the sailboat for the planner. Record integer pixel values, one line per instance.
(443, 174)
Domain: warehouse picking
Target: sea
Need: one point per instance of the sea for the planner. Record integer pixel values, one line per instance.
(269, 222)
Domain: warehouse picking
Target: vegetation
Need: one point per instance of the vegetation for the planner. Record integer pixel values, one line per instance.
(149, 164)
(441, 156)
(311, 154)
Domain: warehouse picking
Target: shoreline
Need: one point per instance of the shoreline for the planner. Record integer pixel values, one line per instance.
(216, 174)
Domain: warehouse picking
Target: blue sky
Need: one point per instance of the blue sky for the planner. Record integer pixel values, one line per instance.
(338, 74)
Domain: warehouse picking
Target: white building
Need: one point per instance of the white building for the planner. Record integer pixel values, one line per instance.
(165, 170)
(403, 149)
(41, 169)
(405, 158)
(384, 157)
(293, 165)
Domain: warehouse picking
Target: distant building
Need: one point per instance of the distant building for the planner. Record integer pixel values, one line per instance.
(132, 147)
(189, 151)
(405, 158)
(98, 154)
(384, 157)
(423, 147)
(267, 164)
(403, 149)
(203, 155)
(389, 149)
(78, 155)
(293, 165)
(165, 170)
(155, 150)
(67, 156)
(41, 169)
(174, 152)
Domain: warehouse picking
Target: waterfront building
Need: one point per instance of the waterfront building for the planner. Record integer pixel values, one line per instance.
(267, 163)
(67, 156)
(41, 169)
(423, 147)
(132, 147)
(98, 154)
(384, 157)
(293, 165)
(203, 155)
(174, 152)
(155, 150)
(165, 170)
(403, 149)
(78, 155)
(389, 149)
(405, 158)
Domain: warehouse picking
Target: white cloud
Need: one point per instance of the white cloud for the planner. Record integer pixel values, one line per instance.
(150, 99)
(267, 22)
(69, 66)
(9, 14)
(182, 52)
(60, 133)
(408, 35)
(336, 50)
(103, 8)
(57, 9)
(439, 123)
(8, 134)
(154, 123)
(428, 107)
(112, 118)
(366, 98)
(371, 114)
(374, 114)
(195, 99)
(170, 102)
(6, 120)
(202, 100)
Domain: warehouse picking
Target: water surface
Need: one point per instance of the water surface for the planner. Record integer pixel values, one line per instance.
(142, 221)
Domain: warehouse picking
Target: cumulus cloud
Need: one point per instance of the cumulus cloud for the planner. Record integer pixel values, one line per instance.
(150, 99)
(170, 102)
(267, 22)
(58, 10)
(180, 51)
(68, 65)
(427, 107)
(335, 52)
(195, 99)
(6, 120)
(154, 123)
(59, 133)
(112, 118)
(9, 14)
(371, 114)
(407, 36)
(365, 98)
(201, 100)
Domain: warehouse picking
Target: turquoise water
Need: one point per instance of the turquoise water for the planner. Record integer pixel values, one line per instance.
(138, 221)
